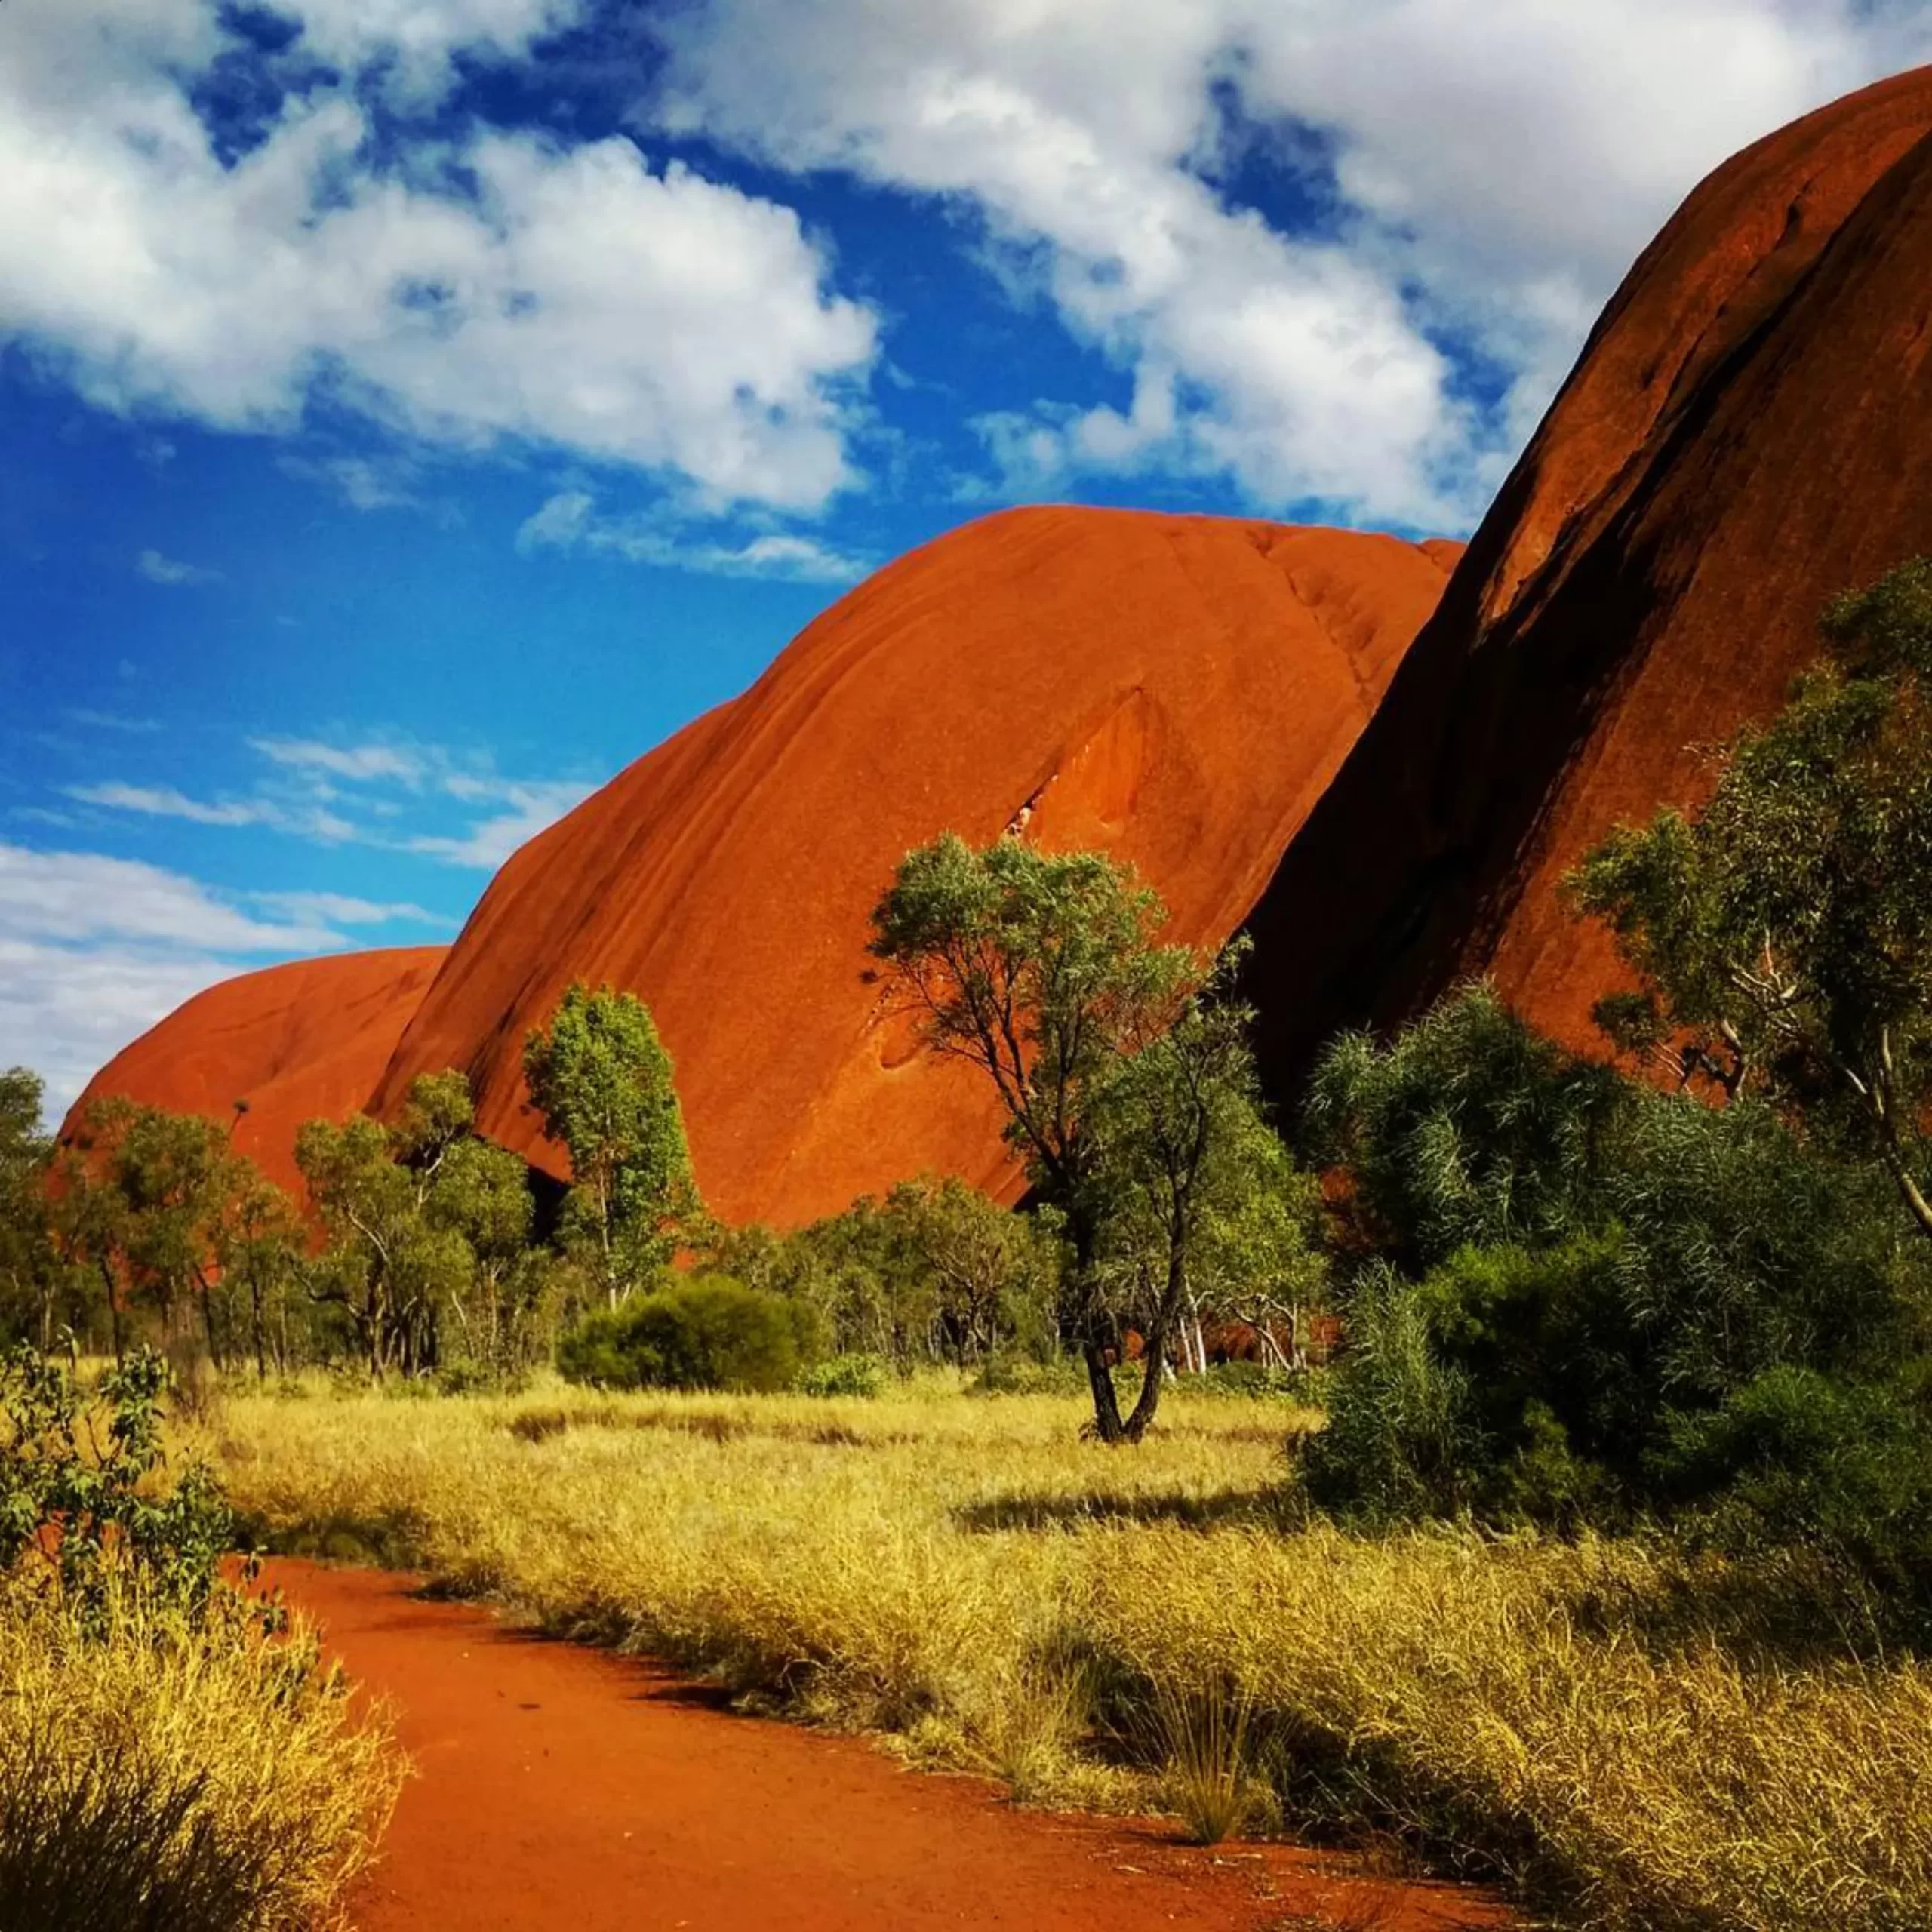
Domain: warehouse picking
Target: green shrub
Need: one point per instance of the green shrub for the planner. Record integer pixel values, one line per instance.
(1797, 1459)
(1258, 1382)
(706, 1332)
(1400, 1440)
(1009, 1373)
(92, 1487)
(867, 1375)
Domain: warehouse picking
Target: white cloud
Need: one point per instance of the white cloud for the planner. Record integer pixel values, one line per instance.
(165, 802)
(570, 520)
(305, 820)
(500, 287)
(94, 950)
(112, 720)
(67, 896)
(159, 569)
(363, 483)
(302, 801)
(534, 808)
(356, 762)
(1500, 167)
(337, 908)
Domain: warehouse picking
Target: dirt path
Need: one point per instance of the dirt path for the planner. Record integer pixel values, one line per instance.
(562, 1789)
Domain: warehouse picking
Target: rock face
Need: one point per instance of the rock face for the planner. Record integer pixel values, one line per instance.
(1180, 689)
(296, 1042)
(1748, 432)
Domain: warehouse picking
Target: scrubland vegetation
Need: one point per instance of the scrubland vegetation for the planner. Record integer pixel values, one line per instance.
(173, 1755)
(1595, 1558)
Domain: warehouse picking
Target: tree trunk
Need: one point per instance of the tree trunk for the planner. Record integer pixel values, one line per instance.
(1165, 1312)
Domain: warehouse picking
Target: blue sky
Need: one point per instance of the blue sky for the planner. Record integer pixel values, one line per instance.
(412, 410)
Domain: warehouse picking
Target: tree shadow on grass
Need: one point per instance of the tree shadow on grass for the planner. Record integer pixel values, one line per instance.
(1271, 1508)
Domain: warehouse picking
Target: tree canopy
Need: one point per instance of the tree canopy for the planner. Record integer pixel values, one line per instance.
(1782, 935)
(601, 1079)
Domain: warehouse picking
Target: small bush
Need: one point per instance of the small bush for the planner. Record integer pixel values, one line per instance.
(1010, 1374)
(1258, 1382)
(867, 1375)
(1796, 1460)
(708, 1332)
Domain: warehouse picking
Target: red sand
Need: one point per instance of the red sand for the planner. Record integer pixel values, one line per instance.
(560, 1789)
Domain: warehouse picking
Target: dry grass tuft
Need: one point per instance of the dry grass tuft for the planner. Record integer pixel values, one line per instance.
(185, 1778)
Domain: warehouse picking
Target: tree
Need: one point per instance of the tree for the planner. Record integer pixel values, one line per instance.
(422, 1218)
(482, 1193)
(30, 1273)
(1183, 1152)
(1783, 935)
(137, 1198)
(600, 1076)
(1468, 1127)
(258, 1242)
(1039, 969)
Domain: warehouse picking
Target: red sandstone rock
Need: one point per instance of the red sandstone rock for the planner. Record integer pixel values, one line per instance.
(1748, 432)
(1180, 689)
(295, 1042)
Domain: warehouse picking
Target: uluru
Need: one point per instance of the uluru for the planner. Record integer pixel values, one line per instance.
(1745, 435)
(270, 1049)
(1235, 707)
(1178, 688)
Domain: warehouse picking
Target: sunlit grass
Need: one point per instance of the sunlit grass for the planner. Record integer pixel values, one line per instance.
(185, 1776)
(1593, 1723)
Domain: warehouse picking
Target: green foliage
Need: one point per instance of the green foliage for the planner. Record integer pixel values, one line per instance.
(600, 1076)
(1642, 1258)
(35, 1287)
(705, 1331)
(1203, 1212)
(935, 1272)
(1037, 968)
(1783, 935)
(1468, 1128)
(90, 1508)
(1398, 1442)
(1839, 1469)
(865, 1375)
(427, 1230)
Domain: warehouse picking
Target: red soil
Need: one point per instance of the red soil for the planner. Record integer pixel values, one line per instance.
(1180, 689)
(1750, 431)
(563, 1790)
(296, 1042)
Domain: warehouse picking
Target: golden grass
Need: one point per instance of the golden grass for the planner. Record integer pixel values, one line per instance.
(184, 1778)
(967, 1576)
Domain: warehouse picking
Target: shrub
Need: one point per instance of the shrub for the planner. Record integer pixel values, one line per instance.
(177, 1772)
(84, 1500)
(1796, 1460)
(1398, 1441)
(171, 1756)
(867, 1375)
(707, 1332)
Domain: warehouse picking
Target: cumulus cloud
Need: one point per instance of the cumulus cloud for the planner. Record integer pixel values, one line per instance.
(570, 520)
(1473, 176)
(498, 286)
(94, 950)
